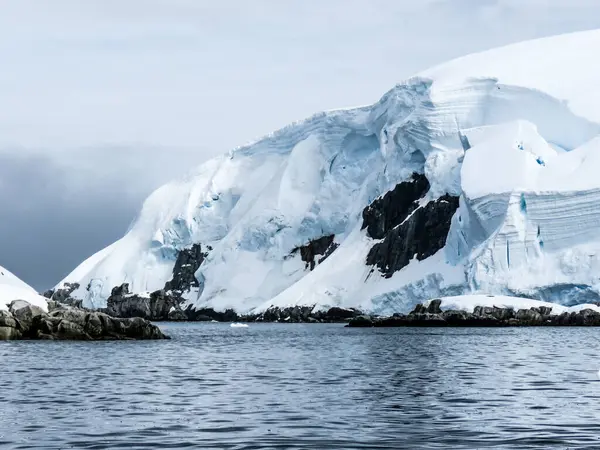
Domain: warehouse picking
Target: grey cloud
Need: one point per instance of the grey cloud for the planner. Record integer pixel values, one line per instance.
(53, 215)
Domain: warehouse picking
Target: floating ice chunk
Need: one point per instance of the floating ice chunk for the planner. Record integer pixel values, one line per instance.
(238, 325)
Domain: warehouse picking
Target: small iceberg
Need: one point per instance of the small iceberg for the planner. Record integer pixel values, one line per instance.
(238, 325)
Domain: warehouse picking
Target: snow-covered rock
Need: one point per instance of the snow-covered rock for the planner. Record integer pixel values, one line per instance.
(12, 288)
(468, 303)
(507, 141)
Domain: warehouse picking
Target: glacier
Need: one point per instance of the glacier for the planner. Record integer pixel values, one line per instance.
(12, 288)
(510, 136)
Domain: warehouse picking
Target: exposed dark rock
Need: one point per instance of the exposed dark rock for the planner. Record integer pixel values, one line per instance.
(157, 305)
(9, 327)
(63, 295)
(323, 246)
(336, 314)
(164, 304)
(120, 291)
(187, 263)
(434, 306)
(25, 321)
(420, 236)
(419, 309)
(482, 316)
(361, 322)
(293, 314)
(24, 312)
(177, 315)
(208, 314)
(529, 317)
(389, 211)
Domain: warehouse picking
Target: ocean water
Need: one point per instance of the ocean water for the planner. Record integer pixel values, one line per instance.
(305, 386)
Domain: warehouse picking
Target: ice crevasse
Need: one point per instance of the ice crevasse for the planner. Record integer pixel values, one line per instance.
(476, 176)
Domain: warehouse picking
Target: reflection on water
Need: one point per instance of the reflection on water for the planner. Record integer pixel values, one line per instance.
(306, 386)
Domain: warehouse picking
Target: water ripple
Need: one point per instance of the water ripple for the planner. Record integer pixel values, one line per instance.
(297, 386)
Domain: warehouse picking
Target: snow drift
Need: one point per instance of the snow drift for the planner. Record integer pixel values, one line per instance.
(489, 163)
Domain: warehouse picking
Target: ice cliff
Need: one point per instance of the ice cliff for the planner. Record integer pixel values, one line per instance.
(477, 176)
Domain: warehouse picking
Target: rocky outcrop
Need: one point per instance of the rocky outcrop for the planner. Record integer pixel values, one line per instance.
(188, 262)
(420, 236)
(393, 208)
(292, 314)
(209, 314)
(158, 305)
(302, 314)
(164, 304)
(482, 316)
(26, 321)
(323, 246)
(63, 295)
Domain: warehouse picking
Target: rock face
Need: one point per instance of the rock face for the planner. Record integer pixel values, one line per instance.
(482, 316)
(164, 304)
(187, 263)
(323, 246)
(393, 208)
(25, 321)
(421, 235)
(63, 295)
(155, 306)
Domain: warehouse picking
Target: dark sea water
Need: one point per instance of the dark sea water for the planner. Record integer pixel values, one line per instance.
(306, 387)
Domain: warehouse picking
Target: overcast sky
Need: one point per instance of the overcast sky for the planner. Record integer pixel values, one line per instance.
(101, 101)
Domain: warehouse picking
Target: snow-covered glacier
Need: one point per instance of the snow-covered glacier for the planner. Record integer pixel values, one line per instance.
(12, 288)
(476, 176)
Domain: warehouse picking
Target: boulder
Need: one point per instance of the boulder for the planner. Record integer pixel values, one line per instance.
(24, 312)
(93, 325)
(529, 317)
(588, 317)
(24, 320)
(434, 306)
(9, 327)
(67, 330)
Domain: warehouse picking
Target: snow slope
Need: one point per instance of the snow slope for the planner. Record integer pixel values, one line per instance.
(12, 288)
(512, 131)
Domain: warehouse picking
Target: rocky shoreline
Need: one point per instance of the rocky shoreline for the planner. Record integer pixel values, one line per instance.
(482, 316)
(165, 305)
(23, 320)
(295, 314)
